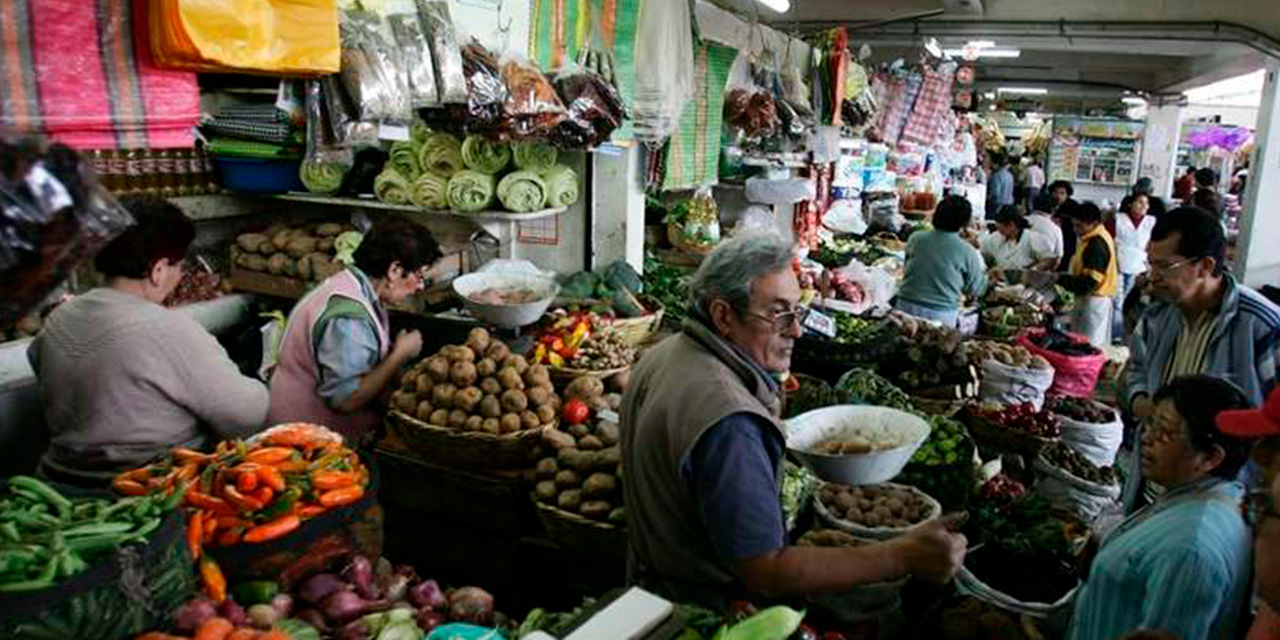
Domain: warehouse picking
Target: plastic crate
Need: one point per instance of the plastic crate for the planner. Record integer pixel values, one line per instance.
(252, 175)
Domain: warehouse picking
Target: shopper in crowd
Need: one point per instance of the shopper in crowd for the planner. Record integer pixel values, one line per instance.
(1180, 564)
(1092, 275)
(941, 267)
(703, 447)
(1206, 178)
(1034, 181)
(1132, 231)
(1185, 185)
(1041, 219)
(1061, 192)
(1000, 185)
(337, 357)
(1209, 200)
(1014, 246)
(122, 378)
(1146, 187)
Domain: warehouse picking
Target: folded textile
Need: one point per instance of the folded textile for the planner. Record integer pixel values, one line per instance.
(484, 155)
(391, 187)
(236, 148)
(404, 157)
(470, 191)
(269, 132)
(533, 156)
(441, 154)
(562, 186)
(522, 191)
(430, 191)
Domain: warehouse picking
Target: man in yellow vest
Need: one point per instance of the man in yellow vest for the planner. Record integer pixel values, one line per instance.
(1091, 275)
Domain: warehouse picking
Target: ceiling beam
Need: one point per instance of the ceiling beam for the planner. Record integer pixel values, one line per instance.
(972, 7)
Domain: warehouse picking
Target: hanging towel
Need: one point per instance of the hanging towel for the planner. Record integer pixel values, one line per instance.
(693, 152)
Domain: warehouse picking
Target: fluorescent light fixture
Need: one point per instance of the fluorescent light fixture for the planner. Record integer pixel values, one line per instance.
(985, 53)
(990, 95)
(1030, 91)
(931, 45)
(781, 6)
(1133, 101)
(981, 44)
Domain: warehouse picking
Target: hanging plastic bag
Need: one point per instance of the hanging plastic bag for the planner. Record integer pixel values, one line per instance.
(296, 37)
(372, 72)
(664, 76)
(437, 25)
(532, 103)
(595, 109)
(407, 29)
(345, 126)
(487, 93)
(325, 165)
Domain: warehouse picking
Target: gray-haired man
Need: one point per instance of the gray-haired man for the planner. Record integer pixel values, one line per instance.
(702, 447)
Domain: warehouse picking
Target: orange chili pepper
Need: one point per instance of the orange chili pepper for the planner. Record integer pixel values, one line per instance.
(271, 477)
(270, 455)
(231, 536)
(341, 497)
(195, 533)
(124, 486)
(156, 635)
(187, 473)
(272, 530)
(274, 634)
(211, 578)
(329, 480)
(209, 503)
(246, 481)
(186, 456)
(210, 524)
(264, 495)
(291, 466)
(310, 511)
(241, 501)
(245, 634)
(215, 629)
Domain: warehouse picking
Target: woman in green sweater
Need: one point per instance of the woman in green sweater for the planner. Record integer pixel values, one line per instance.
(941, 266)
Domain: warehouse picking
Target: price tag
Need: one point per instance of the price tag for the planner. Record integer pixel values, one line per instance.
(609, 416)
(393, 132)
(821, 323)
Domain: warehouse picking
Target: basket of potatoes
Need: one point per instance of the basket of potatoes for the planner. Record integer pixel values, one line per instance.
(474, 406)
(304, 252)
(876, 511)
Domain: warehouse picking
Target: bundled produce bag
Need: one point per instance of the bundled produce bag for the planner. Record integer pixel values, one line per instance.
(487, 93)
(1075, 375)
(522, 191)
(296, 37)
(345, 126)
(373, 70)
(561, 186)
(532, 103)
(470, 191)
(409, 36)
(430, 191)
(533, 156)
(441, 154)
(484, 155)
(595, 109)
(325, 165)
(442, 36)
(1098, 442)
(1007, 384)
(1065, 491)
(391, 186)
(404, 158)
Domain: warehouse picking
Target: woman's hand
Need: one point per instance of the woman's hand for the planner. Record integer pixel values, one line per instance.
(407, 346)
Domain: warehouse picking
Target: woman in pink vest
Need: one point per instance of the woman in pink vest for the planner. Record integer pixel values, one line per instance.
(337, 356)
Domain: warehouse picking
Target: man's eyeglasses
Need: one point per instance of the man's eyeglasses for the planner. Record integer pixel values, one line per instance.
(781, 321)
(1167, 269)
(1258, 505)
(1163, 431)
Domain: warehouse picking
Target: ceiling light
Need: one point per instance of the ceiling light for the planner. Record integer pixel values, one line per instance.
(1031, 91)
(1133, 101)
(981, 44)
(983, 53)
(931, 45)
(781, 6)
(990, 95)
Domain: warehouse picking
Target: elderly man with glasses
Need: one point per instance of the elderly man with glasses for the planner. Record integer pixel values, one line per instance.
(1201, 321)
(703, 447)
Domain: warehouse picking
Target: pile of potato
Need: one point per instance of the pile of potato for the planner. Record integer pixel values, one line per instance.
(979, 351)
(478, 386)
(829, 538)
(302, 252)
(886, 505)
(583, 474)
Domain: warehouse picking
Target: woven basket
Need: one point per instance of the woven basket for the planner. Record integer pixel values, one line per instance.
(466, 449)
(572, 531)
(677, 241)
(636, 331)
(566, 374)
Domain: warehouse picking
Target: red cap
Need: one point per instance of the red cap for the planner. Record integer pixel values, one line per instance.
(1253, 423)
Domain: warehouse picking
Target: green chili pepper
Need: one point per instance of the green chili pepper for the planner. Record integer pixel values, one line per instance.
(255, 592)
(44, 491)
(10, 530)
(42, 581)
(280, 506)
(17, 560)
(98, 529)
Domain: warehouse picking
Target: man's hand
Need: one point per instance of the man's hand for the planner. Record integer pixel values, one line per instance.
(935, 551)
(407, 346)
(1143, 407)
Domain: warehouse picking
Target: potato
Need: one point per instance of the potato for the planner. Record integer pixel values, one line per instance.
(276, 263)
(516, 362)
(584, 388)
(423, 411)
(478, 340)
(509, 423)
(609, 433)
(546, 468)
(438, 368)
(558, 440)
(457, 419)
(491, 425)
(456, 353)
(568, 479)
(546, 415)
(463, 373)
(473, 423)
(291, 268)
(251, 262)
(510, 379)
(423, 384)
(537, 376)
(280, 240)
(467, 399)
(570, 500)
(328, 229)
(439, 417)
(404, 402)
(324, 245)
(546, 490)
(485, 368)
(614, 400)
(252, 242)
(514, 401)
(491, 386)
(579, 430)
(590, 443)
(577, 459)
(300, 246)
(323, 267)
(530, 419)
(497, 351)
(608, 458)
(539, 396)
(490, 407)
(306, 266)
(442, 395)
(596, 509)
(599, 485)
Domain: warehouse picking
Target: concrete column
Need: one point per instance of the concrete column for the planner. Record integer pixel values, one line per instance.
(1259, 262)
(1160, 147)
(619, 205)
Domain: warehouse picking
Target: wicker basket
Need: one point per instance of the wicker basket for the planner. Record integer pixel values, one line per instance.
(466, 449)
(677, 241)
(572, 531)
(636, 331)
(566, 374)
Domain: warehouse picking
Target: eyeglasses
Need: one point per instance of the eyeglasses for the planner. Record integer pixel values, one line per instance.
(1164, 432)
(1258, 505)
(1165, 270)
(782, 320)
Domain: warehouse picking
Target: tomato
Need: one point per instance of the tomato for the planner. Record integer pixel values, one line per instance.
(575, 411)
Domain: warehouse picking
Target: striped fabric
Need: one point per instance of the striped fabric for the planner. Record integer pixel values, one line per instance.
(693, 153)
(101, 92)
(1181, 565)
(1191, 347)
(269, 132)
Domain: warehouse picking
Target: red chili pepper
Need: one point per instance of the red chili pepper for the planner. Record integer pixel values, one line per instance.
(271, 477)
(341, 497)
(241, 501)
(195, 533)
(209, 503)
(211, 578)
(272, 530)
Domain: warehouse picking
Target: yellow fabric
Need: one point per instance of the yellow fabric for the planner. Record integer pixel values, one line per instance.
(1108, 279)
(294, 37)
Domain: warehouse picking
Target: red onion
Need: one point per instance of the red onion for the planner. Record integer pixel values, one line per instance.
(315, 619)
(427, 595)
(283, 604)
(193, 614)
(345, 606)
(360, 574)
(319, 587)
(233, 612)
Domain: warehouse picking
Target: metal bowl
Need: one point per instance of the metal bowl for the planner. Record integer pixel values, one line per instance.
(807, 431)
(510, 316)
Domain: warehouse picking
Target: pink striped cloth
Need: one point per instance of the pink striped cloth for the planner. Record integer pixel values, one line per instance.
(80, 72)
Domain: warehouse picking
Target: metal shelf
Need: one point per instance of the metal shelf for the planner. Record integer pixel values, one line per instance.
(369, 203)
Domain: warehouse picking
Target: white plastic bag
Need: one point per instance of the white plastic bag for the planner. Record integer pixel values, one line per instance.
(664, 82)
(1098, 443)
(1064, 491)
(1013, 385)
(780, 192)
(845, 216)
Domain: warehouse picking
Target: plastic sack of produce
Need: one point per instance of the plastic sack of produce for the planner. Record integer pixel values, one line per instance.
(1014, 385)
(1082, 498)
(430, 191)
(969, 584)
(326, 164)
(407, 29)
(441, 154)
(101, 586)
(373, 70)
(391, 186)
(1098, 437)
(532, 103)
(437, 25)
(345, 126)
(1076, 375)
